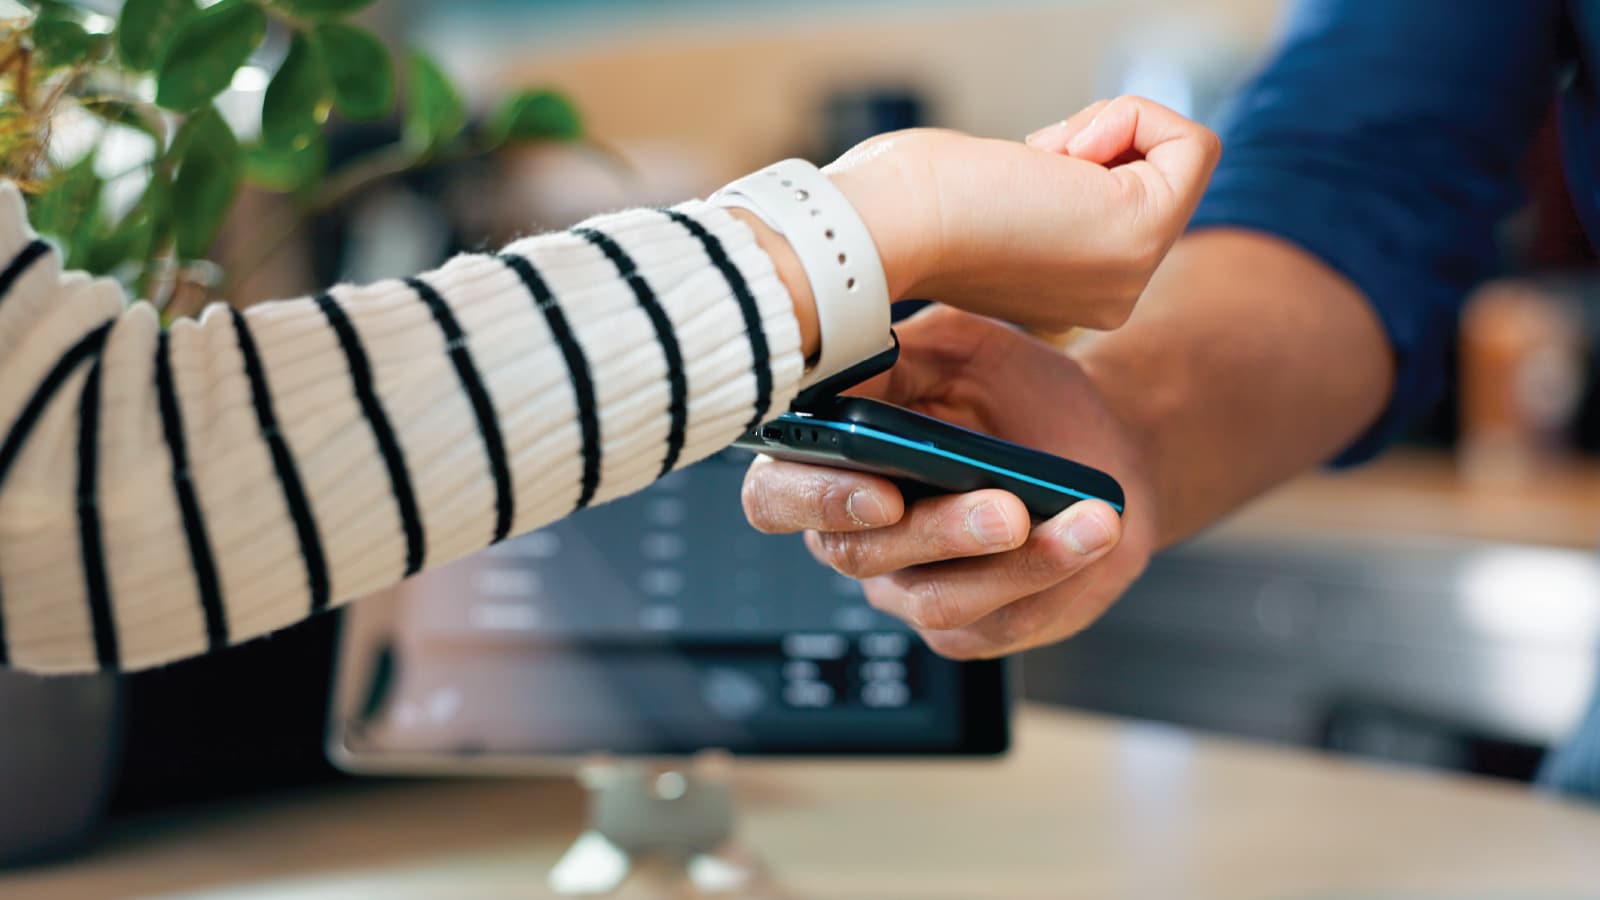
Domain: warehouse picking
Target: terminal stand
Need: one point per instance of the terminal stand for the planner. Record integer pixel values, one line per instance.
(681, 816)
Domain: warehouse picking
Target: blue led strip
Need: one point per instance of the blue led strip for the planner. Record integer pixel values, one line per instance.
(925, 447)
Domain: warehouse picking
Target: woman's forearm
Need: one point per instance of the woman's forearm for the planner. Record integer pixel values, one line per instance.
(167, 492)
(1234, 384)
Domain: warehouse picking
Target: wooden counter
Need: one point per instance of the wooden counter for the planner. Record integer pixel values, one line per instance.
(1086, 807)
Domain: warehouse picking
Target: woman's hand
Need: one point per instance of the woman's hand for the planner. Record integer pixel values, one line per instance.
(969, 571)
(1064, 230)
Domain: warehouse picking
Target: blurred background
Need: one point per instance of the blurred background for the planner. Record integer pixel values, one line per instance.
(1439, 608)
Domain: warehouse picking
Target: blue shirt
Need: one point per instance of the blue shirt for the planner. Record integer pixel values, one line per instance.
(1384, 137)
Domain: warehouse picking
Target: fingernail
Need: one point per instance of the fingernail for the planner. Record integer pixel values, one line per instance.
(865, 509)
(1086, 533)
(988, 523)
(1082, 138)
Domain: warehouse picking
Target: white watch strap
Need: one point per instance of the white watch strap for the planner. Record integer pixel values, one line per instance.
(796, 200)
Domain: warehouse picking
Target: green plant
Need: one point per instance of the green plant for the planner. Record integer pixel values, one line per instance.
(157, 71)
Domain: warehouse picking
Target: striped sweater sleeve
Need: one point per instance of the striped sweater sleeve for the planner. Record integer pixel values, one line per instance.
(168, 492)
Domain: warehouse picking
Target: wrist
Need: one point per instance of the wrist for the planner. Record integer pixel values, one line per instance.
(793, 276)
(835, 252)
(884, 199)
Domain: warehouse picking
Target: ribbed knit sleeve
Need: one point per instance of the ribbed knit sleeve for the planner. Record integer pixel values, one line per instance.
(164, 493)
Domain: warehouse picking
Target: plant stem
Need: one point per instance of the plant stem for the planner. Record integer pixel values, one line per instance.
(24, 86)
(155, 124)
(364, 171)
(361, 173)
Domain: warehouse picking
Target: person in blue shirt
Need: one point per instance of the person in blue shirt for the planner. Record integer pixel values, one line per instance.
(1303, 319)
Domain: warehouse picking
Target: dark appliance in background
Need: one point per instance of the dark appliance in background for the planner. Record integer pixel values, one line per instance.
(59, 747)
(852, 115)
(249, 719)
(1467, 655)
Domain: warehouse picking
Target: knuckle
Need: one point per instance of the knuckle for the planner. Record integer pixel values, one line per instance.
(1020, 624)
(832, 502)
(757, 501)
(1045, 563)
(845, 553)
(945, 531)
(932, 607)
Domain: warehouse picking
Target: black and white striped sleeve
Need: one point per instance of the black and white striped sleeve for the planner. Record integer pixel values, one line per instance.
(168, 492)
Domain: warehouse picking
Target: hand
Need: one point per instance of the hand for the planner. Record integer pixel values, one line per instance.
(1062, 231)
(966, 571)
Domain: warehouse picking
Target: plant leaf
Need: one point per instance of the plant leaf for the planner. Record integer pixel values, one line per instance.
(359, 66)
(68, 205)
(541, 115)
(434, 111)
(145, 27)
(108, 248)
(63, 43)
(131, 238)
(205, 52)
(36, 7)
(296, 103)
(322, 9)
(207, 180)
(105, 250)
(286, 170)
